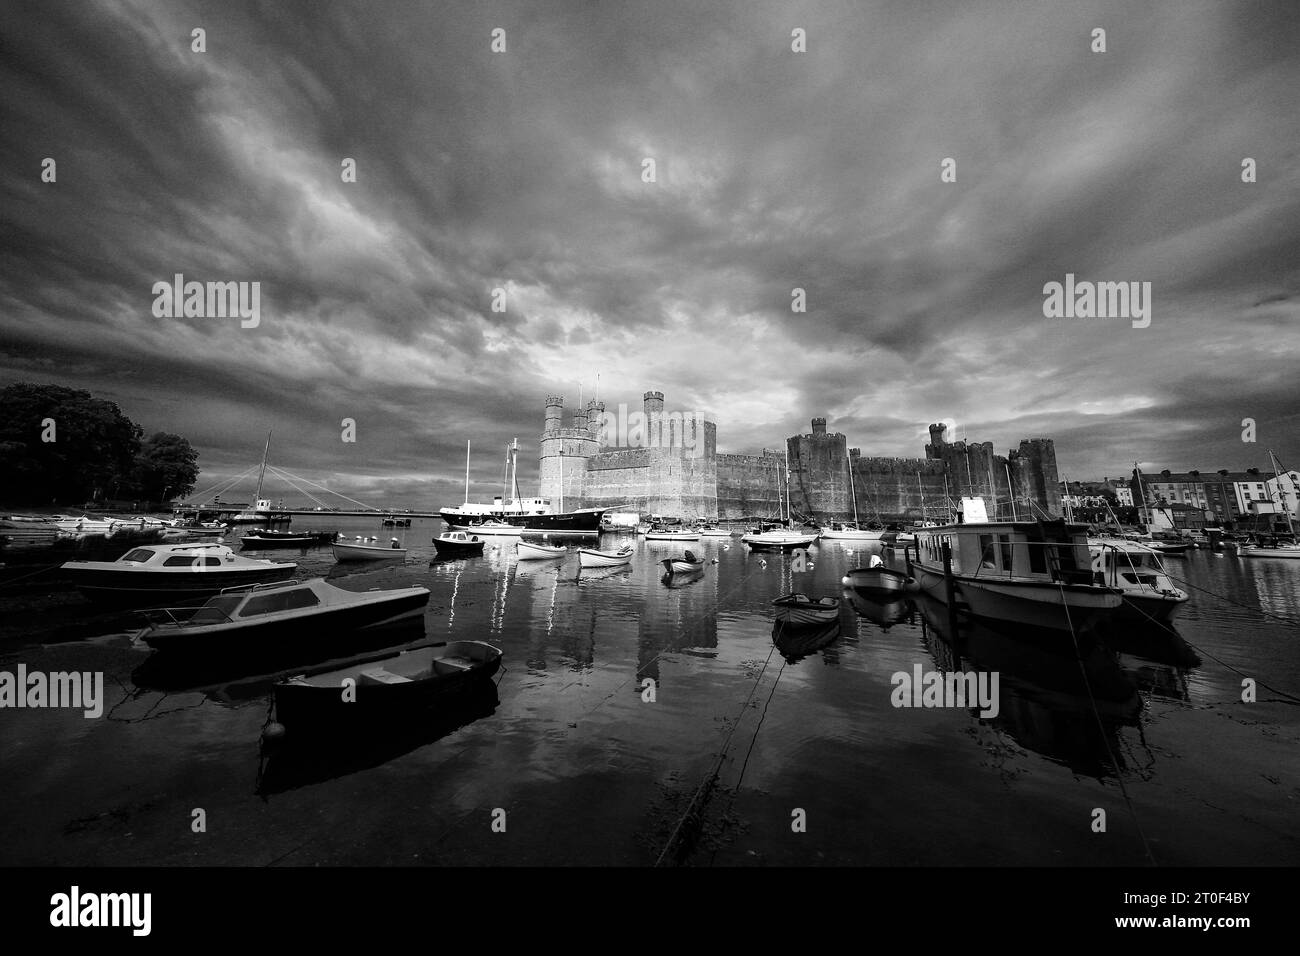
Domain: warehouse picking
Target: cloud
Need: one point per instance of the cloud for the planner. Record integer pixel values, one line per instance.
(776, 171)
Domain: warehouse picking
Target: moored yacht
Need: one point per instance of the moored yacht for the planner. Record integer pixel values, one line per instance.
(1032, 573)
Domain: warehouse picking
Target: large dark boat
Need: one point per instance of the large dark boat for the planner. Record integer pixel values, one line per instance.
(532, 514)
(527, 514)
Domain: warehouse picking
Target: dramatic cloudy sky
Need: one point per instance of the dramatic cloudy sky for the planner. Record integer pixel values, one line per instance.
(522, 170)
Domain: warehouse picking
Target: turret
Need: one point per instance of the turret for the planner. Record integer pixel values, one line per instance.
(554, 409)
(936, 434)
(819, 426)
(653, 404)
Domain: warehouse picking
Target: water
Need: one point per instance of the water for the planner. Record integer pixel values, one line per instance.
(588, 771)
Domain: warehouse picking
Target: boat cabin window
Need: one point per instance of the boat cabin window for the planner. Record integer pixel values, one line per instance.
(986, 551)
(1004, 545)
(191, 561)
(1038, 557)
(139, 554)
(287, 600)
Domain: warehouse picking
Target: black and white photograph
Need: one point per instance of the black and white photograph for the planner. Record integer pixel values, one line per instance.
(734, 435)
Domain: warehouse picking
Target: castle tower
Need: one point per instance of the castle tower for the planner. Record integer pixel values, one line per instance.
(653, 405)
(562, 455)
(819, 426)
(596, 420)
(554, 410)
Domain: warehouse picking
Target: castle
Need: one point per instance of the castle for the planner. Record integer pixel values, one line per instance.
(667, 463)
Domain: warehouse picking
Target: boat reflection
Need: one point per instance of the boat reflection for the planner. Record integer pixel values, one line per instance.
(312, 759)
(884, 612)
(1047, 692)
(796, 643)
(175, 670)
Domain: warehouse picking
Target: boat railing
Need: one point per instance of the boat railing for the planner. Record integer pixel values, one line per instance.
(241, 588)
(186, 616)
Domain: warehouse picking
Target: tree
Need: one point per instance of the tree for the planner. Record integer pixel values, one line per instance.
(61, 444)
(165, 467)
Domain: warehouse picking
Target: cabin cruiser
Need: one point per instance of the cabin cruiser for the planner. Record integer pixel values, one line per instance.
(1032, 573)
(1149, 594)
(172, 572)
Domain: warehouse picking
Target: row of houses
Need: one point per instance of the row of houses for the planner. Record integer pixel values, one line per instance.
(1218, 497)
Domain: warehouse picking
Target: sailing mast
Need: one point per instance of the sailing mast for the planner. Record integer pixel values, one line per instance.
(852, 488)
(1011, 493)
(257, 495)
(1277, 480)
(561, 476)
(467, 471)
(921, 489)
(1146, 512)
(788, 516)
(514, 473)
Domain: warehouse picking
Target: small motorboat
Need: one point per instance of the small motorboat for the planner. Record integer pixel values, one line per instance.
(279, 611)
(799, 610)
(710, 532)
(458, 544)
(394, 522)
(849, 531)
(1282, 549)
(687, 564)
(591, 558)
(532, 551)
(880, 579)
(666, 534)
(261, 539)
(494, 527)
(365, 549)
(376, 691)
(171, 572)
(778, 539)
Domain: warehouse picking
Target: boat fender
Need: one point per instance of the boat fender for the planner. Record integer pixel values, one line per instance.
(272, 735)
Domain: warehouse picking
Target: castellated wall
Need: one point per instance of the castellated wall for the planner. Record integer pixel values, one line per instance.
(819, 473)
(747, 485)
(898, 489)
(671, 479)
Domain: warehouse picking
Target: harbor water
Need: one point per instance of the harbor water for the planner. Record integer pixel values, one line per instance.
(638, 721)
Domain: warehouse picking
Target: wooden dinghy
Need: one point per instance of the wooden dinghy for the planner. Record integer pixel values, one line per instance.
(532, 551)
(686, 564)
(799, 610)
(591, 558)
(378, 690)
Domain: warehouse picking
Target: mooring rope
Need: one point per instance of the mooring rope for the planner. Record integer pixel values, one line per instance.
(1101, 727)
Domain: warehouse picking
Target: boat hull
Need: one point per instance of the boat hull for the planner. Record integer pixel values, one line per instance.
(879, 580)
(526, 551)
(580, 522)
(135, 588)
(361, 552)
(588, 558)
(806, 616)
(671, 566)
(255, 635)
(768, 542)
(1034, 605)
(458, 549)
(1248, 552)
(851, 535)
(671, 536)
(319, 706)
